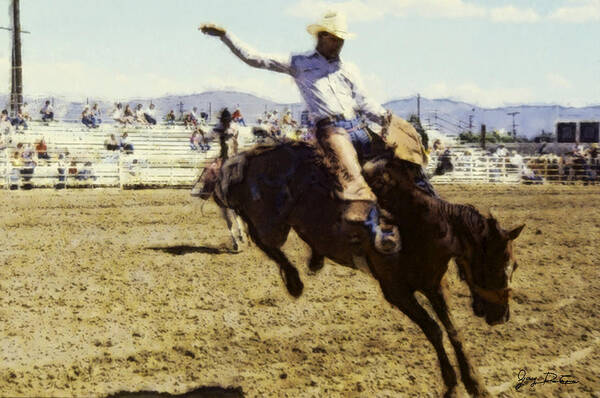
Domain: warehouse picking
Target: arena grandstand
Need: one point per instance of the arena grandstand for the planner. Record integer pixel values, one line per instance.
(77, 157)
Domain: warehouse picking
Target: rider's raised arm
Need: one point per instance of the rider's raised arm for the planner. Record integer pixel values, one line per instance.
(253, 58)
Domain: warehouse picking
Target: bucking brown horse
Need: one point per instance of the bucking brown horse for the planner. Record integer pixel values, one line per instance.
(285, 186)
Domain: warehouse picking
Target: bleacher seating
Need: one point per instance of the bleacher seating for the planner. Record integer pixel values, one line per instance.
(162, 157)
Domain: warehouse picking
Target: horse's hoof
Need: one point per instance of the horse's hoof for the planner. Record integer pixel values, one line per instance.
(451, 393)
(296, 288)
(293, 283)
(315, 265)
(478, 390)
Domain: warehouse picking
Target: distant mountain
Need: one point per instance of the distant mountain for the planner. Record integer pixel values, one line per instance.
(453, 116)
(449, 116)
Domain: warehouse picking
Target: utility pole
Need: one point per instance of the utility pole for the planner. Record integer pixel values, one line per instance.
(482, 136)
(419, 107)
(514, 126)
(16, 91)
(470, 122)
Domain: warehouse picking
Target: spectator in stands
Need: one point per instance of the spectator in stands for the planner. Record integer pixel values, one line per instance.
(41, 149)
(438, 147)
(194, 114)
(96, 115)
(27, 154)
(288, 124)
(304, 119)
(28, 166)
(24, 111)
(444, 163)
(128, 115)
(150, 115)
(47, 112)
(139, 115)
(61, 169)
(86, 117)
(86, 172)
(515, 160)
(191, 118)
(72, 171)
(194, 141)
(117, 114)
(111, 143)
(16, 162)
(5, 123)
(170, 118)
(19, 120)
(501, 151)
(125, 144)
(238, 118)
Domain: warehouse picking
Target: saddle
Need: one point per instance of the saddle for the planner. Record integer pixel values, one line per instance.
(405, 140)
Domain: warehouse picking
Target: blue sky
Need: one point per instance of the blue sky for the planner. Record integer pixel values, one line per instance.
(492, 52)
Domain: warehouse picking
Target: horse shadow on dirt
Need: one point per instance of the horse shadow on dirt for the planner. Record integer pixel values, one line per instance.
(202, 392)
(179, 250)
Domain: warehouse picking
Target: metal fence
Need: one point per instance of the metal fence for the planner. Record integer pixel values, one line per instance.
(527, 170)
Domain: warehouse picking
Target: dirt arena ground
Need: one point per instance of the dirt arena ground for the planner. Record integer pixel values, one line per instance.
(106, 290)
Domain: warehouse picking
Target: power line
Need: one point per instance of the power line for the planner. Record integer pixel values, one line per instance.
(514, 126)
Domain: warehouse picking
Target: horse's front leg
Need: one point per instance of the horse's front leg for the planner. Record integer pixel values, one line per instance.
(469, 375)
(316, 261)
(404, 299)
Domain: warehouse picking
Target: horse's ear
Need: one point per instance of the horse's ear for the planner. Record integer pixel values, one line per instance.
(513, 234)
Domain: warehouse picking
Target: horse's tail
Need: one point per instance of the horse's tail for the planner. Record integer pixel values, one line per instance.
(206, 183)
(231, 174)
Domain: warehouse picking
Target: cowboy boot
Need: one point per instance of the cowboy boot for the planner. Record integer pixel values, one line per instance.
(361, 207)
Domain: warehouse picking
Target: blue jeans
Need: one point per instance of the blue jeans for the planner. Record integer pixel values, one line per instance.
(17, 121)
(150, 119)
(88, 121)
(359, 137)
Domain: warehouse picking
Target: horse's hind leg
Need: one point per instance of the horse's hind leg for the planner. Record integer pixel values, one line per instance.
(243, 230)
(229, 216)
(405, 300)
(468, 373)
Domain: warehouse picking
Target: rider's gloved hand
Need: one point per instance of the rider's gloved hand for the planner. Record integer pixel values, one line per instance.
(212, 30)
(387, 119)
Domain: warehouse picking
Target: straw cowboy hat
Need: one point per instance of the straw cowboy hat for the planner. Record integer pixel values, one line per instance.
(332, 22)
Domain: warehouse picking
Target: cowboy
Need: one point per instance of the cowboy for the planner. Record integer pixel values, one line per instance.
(333, 99)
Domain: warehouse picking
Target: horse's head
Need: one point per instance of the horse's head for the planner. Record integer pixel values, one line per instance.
(488, 268)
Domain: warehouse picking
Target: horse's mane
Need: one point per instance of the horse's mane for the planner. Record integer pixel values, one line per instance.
(461, 216)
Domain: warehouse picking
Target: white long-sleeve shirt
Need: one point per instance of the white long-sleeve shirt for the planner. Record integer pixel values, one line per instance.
(328, 87)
